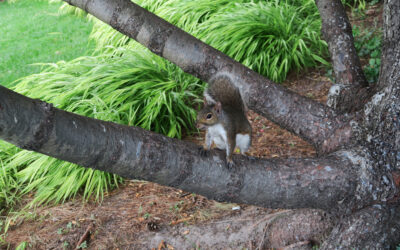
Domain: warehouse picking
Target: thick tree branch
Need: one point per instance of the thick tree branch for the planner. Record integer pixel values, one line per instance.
(381, 124)
(250, 229)
(376, 227)
(312, 121)
(335, 182)
(303, 225)
(391, 47)
(350, 91)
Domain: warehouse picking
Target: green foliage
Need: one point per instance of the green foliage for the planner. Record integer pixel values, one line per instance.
(69, 9)
(270, 37)
(368, 44)
(22, 246)
(359, 4)
(55, 180)
(188, 15)
(358, 7)
(83, 245)
(136, 88)
(107, 38)
(9, 186)
(32, 31)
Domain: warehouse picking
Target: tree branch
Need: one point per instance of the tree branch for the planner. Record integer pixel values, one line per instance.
(391, 48)
(350, 91)
(334, 182)
(376, 227)
(299, 226)
(252, 228)
(312, 121)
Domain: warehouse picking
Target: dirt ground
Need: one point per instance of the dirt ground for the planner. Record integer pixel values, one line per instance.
(138, 207)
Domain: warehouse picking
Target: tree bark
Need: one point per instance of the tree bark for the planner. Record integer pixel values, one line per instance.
(391, 38)
(309, 119)
(350, 91)
(335, 182)
(376, 227)
(248, 229)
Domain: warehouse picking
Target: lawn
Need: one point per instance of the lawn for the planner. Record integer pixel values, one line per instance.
(33, 32)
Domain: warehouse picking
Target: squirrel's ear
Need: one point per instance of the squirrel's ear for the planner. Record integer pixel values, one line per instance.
(218, 107)
(205, 101)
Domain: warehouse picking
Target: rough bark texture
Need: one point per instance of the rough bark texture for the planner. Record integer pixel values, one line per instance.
(334, 182)
(251, 229)
(298, 114)
(381, 126)
(306, 225)
(391, 38)
(349, 93)
(376, 227)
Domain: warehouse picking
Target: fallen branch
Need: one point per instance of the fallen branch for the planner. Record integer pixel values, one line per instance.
(85, 236)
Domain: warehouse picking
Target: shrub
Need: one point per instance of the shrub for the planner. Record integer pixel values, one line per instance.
(136, 88)
(272, 37)
(368, 44)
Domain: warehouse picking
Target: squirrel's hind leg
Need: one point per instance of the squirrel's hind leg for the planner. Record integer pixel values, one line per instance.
(243, 142)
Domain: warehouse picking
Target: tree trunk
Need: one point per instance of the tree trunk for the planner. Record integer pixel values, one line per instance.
(375, 227)
(358, 184)
(350, 92)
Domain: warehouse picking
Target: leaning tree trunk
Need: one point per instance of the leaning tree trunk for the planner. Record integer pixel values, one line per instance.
(357, 183)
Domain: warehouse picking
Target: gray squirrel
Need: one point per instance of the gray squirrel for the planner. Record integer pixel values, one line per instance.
(224, 119)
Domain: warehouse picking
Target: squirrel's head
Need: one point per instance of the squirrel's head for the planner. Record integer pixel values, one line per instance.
(208, 115)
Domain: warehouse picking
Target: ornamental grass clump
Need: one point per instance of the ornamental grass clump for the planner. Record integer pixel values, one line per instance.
(271, 37)
(135, 88)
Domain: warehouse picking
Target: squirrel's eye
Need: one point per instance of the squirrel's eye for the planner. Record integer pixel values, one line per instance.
(209, 115)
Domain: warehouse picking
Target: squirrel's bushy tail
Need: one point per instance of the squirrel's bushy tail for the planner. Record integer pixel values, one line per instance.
(222, 89)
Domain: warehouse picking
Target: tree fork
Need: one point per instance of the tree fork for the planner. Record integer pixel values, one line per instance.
(350, 92)
(309, 119)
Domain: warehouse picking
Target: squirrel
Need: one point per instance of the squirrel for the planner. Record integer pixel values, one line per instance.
(224, 119)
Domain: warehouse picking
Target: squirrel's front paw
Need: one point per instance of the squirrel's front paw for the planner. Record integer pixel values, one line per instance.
(252, 158)
(203, 152)
(230, 164)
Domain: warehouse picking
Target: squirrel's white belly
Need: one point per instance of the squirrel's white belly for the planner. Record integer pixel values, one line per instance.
(243, 142)
(218, 135)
